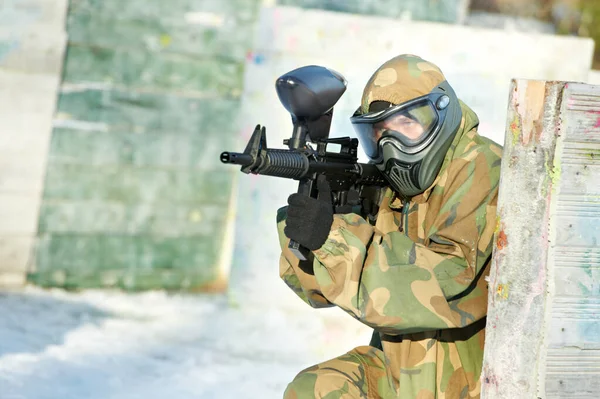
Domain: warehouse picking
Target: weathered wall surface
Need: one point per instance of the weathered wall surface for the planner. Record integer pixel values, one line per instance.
(594, 77)
(32, 43)
(451, 11)
(544, 282)
(135, 196)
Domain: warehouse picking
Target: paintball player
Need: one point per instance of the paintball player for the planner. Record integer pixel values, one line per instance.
(416, 273)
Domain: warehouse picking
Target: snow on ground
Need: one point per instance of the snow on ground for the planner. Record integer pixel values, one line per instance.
(99, 344)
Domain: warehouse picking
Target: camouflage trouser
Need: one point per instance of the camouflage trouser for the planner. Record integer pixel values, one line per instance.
(360, 373)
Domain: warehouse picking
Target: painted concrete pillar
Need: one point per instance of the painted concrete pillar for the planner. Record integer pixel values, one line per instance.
(543, 331)
(32, 44)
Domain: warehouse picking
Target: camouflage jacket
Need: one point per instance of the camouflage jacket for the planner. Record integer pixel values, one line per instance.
(418, 275)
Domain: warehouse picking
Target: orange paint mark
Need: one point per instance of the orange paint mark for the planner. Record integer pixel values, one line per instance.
(502, 291)
(502, 240)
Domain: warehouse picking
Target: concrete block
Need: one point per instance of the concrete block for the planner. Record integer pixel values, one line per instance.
(22, 173)
(545, 279)
(18, 213)
(175, 12)
(12, 280)
(594, 77)
(100, 108)
(452, 11)
(36, 51)
(131, 262)
(139, 69)
(28, 102)
(32, 35)
(150, 93)
(32, 43)
(18, 14)
(94, 217)
(508, 23)
(15, 252)
(181, 151)
(222, 33)
(131, 185)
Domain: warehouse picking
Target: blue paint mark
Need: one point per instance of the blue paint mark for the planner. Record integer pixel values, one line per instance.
(6, 48)
(589, 332)
(17, 18)
(259, 59)
(256, 58)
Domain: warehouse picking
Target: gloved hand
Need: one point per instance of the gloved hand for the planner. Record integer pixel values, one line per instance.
(309, 219)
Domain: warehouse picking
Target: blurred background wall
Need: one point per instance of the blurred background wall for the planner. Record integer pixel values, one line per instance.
(134, 194)
(32, 43)
(109, 173)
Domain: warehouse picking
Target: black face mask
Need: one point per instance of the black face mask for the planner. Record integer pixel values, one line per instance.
(403, 178)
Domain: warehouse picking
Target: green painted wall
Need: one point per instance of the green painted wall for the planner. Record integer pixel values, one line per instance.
(451, 11)
(135, 196)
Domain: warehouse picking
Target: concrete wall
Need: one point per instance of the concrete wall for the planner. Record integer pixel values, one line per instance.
(32, 43)
(543, 335)
(451, 11)
(134, 195)
(594, 77)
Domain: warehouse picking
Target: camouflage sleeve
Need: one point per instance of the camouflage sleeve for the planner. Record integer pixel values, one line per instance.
(398, 286)
(296, 275)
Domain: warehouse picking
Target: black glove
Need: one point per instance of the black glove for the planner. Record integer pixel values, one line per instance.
(308, 219)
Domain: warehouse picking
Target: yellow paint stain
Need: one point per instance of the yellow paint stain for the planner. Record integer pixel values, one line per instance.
(195, 216)
(515, 129)
(63, 115)
(555, 174)
(502, 291)
(165, 40)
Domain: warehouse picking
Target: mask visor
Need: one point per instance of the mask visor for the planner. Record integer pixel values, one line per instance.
(410, 124)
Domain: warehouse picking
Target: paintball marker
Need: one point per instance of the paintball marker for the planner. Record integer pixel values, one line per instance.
(309, 94)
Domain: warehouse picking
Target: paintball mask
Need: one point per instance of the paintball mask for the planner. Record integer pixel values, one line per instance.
(408, 141)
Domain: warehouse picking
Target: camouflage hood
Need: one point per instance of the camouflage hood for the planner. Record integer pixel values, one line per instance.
(401, 79)
(408, 82)
(469, 122)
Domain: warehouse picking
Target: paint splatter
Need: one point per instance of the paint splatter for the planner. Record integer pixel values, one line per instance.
(489, 377)
(515, 129)
(165, 40)
(596, 113)
(292, 43)
(195, 216)
(498, 224)
(502, 291)
(502, 240)
(258, 59)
